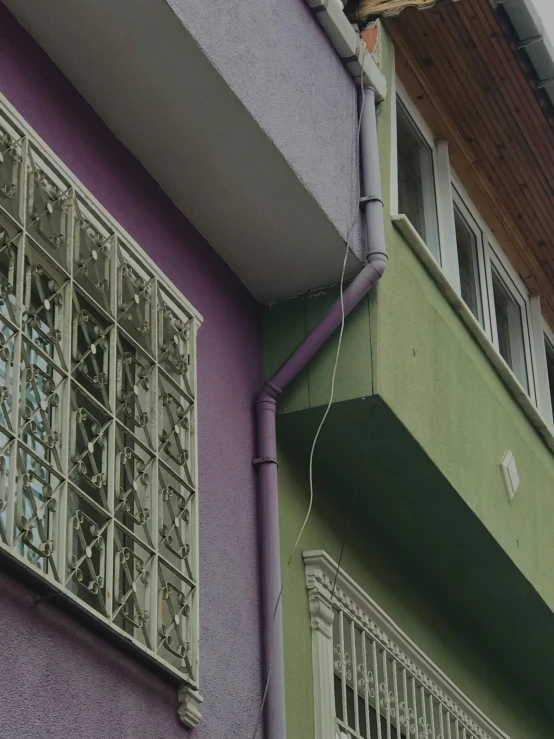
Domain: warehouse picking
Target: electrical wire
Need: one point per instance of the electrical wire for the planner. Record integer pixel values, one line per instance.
(331, 397)
(357, 490)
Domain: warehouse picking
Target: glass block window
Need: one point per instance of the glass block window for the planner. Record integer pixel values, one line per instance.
(370, 680)
(98, 469)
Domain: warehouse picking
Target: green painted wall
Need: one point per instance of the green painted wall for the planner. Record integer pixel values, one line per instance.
(391, 589)
(285, 326)
(437, 380)
(406, 345)
(445, 391)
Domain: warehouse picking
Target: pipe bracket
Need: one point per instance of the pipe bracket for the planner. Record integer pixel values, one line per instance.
(370, 199)
(264, 460)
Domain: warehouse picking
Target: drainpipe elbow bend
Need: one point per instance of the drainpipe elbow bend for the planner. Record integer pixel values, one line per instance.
(268, 395)
(378, 260)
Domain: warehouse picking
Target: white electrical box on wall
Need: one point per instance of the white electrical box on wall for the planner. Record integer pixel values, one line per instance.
(510, 474)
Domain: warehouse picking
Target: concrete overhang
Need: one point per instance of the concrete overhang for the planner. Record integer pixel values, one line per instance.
(144, 74)
(387, 496)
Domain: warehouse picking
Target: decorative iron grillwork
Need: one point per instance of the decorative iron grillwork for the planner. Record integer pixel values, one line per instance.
(379, 697)
(370, 680)
(98, 468)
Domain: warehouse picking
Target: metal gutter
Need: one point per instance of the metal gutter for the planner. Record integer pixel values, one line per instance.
(266, 408)
(349, 45)
(532, 39)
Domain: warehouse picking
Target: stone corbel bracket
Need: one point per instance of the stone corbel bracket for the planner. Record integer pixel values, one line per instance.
(189, 706)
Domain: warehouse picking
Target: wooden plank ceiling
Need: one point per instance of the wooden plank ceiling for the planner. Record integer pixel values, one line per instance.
(461, 67)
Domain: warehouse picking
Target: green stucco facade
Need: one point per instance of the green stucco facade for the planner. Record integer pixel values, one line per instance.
(407, 477)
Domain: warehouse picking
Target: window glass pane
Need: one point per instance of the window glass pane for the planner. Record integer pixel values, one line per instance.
(550, 368)
(416, 181)
(468, 263)
(509, 324)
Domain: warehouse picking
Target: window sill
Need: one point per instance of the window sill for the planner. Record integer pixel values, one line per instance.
(415, 242)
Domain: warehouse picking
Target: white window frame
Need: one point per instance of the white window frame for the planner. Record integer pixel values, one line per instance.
(447, 225)
(329, 589)
(548, 337)
(448, 192)
(542, 334)
(497, 260)
(123, 252)
(474, 222)
(394, 144)
(436, 186)
(491, 254)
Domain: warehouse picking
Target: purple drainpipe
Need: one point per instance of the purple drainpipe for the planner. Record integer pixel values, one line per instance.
(266, 407)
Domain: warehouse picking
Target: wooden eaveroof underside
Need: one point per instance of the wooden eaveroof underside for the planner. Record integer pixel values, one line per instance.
(460, 66)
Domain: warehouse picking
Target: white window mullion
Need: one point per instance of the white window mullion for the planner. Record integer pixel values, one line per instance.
(484, 287)
(468, 256)
(445, 208)
(415, 191)
(540, 334)
(394, 143)
(429, 182)
(515, 312)
(489, 290)
(530, 356)
(548, 347)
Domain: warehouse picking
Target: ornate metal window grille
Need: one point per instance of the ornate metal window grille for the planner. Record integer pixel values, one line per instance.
(371, 681)
(98, 468)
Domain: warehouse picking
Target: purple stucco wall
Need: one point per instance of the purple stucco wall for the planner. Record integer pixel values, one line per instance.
(56, 678)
